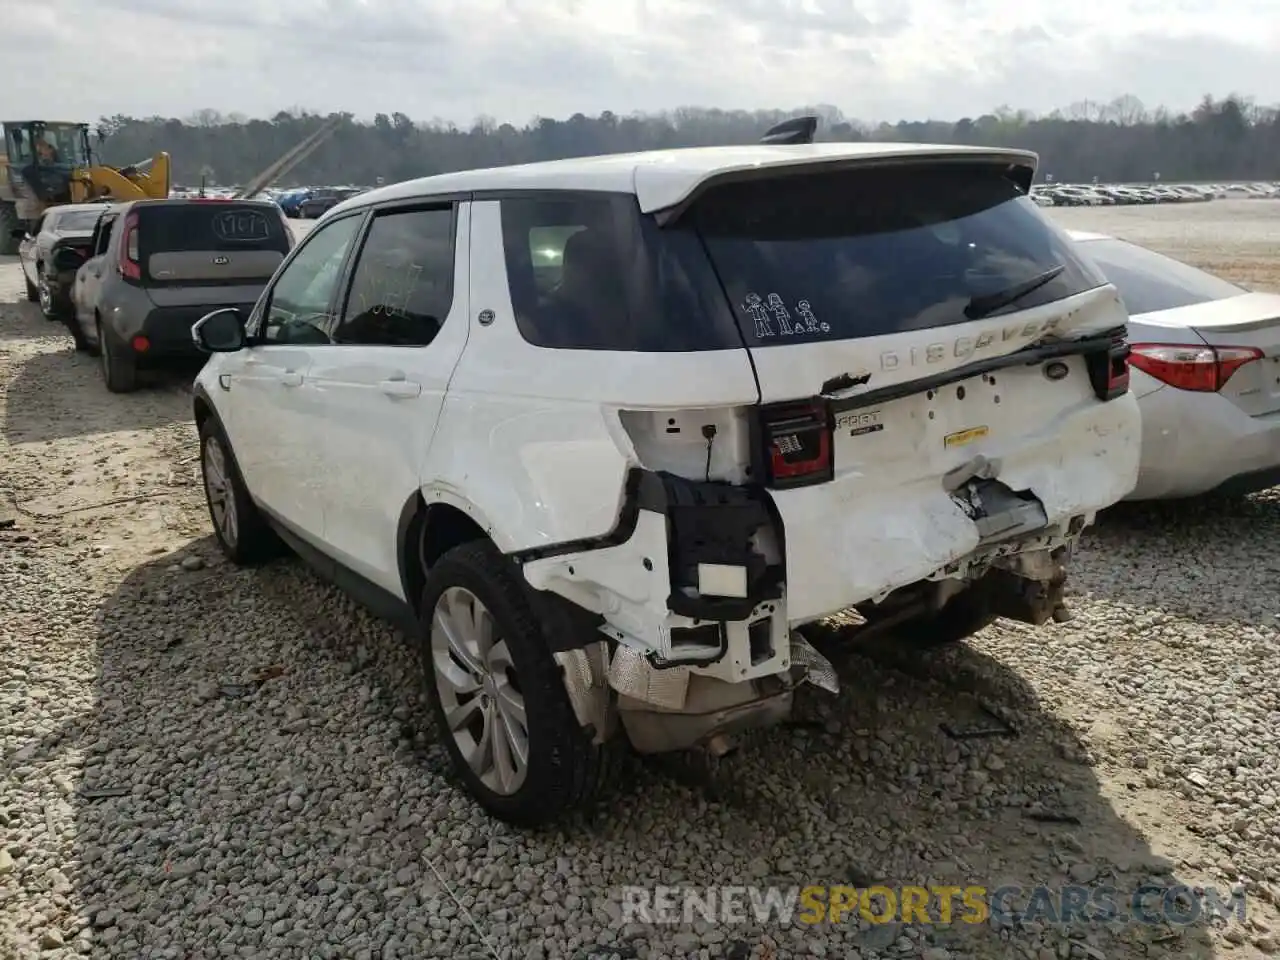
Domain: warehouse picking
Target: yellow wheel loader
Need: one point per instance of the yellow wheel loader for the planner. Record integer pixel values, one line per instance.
(44, 163)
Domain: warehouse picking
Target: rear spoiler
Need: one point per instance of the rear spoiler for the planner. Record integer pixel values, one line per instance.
(796, 130)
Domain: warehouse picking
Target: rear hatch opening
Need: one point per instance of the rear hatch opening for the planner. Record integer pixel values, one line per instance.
(905, 322)
(213, 243)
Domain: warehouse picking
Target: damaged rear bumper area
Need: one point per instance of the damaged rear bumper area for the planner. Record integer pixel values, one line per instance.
(678, 627)
(677, 624)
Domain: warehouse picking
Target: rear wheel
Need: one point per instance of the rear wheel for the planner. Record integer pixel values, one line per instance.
(496, 695)
(45, 295)
(119, 368)
(960, 618)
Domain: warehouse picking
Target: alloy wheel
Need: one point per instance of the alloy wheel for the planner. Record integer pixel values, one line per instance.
(479, 691)
(217, 486)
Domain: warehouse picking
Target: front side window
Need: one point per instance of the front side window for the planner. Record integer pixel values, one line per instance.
(402, 284)
(298, 310)
(1148, 281)
(813, 257)
(590, 272)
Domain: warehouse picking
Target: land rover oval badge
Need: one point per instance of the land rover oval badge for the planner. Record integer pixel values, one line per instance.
(486, 317)
(222, 261)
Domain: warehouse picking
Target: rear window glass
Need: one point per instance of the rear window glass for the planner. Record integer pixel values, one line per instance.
(211, 228)
(79, 220)
(1149, 281)
(590, 272)
(869, 252)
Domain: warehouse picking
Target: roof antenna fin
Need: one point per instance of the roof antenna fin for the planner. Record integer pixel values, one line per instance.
(795, 130)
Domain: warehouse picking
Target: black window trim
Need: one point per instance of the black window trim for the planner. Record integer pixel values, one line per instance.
(347, 278)
(258, 318)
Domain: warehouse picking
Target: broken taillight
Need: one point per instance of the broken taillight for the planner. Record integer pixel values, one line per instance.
(1109, 372)
(794, 448)
(1195, 367)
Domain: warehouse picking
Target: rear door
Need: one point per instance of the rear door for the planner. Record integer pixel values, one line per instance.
(380, 385)
(89, 278)
(870, 290)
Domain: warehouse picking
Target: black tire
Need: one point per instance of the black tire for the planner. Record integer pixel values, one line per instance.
(119, 367)
(960, 618)
(247, 540)
(565, 770)
(8, 223)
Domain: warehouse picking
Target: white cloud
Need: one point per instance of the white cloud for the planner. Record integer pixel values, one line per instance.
(513, 59)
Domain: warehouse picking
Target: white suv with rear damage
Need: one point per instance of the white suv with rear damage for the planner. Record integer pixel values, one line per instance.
(602, 433)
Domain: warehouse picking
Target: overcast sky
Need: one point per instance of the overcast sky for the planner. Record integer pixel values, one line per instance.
(514, 59)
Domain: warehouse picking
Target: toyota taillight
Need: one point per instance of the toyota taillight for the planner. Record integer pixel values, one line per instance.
(1195, 367)
(130, 264)
(794, 448)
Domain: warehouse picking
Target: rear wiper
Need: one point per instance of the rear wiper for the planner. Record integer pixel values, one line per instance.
(986, 304)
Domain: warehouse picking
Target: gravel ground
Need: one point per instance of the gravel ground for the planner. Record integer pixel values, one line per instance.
(206, 762)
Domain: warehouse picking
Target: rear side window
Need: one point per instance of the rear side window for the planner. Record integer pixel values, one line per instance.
(1149, 281)
(402, 285)
(589, 272)
(78, 220)
(864, 253)
(211, 242)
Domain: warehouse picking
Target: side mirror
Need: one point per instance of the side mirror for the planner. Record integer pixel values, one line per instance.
(67, 260)
(220, 332)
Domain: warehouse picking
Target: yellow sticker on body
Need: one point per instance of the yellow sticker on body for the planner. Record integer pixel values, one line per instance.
(961, 437)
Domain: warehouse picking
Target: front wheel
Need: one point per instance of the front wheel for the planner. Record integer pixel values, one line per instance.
(496, 695)
(243, 534)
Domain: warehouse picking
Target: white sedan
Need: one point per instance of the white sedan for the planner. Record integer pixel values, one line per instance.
(1205, 367)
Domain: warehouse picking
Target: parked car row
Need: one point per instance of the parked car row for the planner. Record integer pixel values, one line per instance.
(1104, 194)
(129, 280)
(604, 435)
(311, 203)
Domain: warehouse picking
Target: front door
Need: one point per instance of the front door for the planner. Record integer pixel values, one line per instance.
(400, 333)
(269, 408)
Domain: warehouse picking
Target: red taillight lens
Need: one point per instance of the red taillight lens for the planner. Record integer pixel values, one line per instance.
(130, 266)
(1196, 367)
(796, 444)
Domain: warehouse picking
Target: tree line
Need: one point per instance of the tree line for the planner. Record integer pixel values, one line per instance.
(1121, 140)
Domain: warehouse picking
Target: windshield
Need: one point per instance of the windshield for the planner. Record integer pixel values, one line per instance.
(49, 144)
(863, 253)
(1149, 281)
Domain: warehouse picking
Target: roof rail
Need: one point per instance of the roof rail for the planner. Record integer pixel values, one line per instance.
(795, 130)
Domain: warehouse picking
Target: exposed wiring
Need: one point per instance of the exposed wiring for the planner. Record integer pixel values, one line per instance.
(709, 431)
